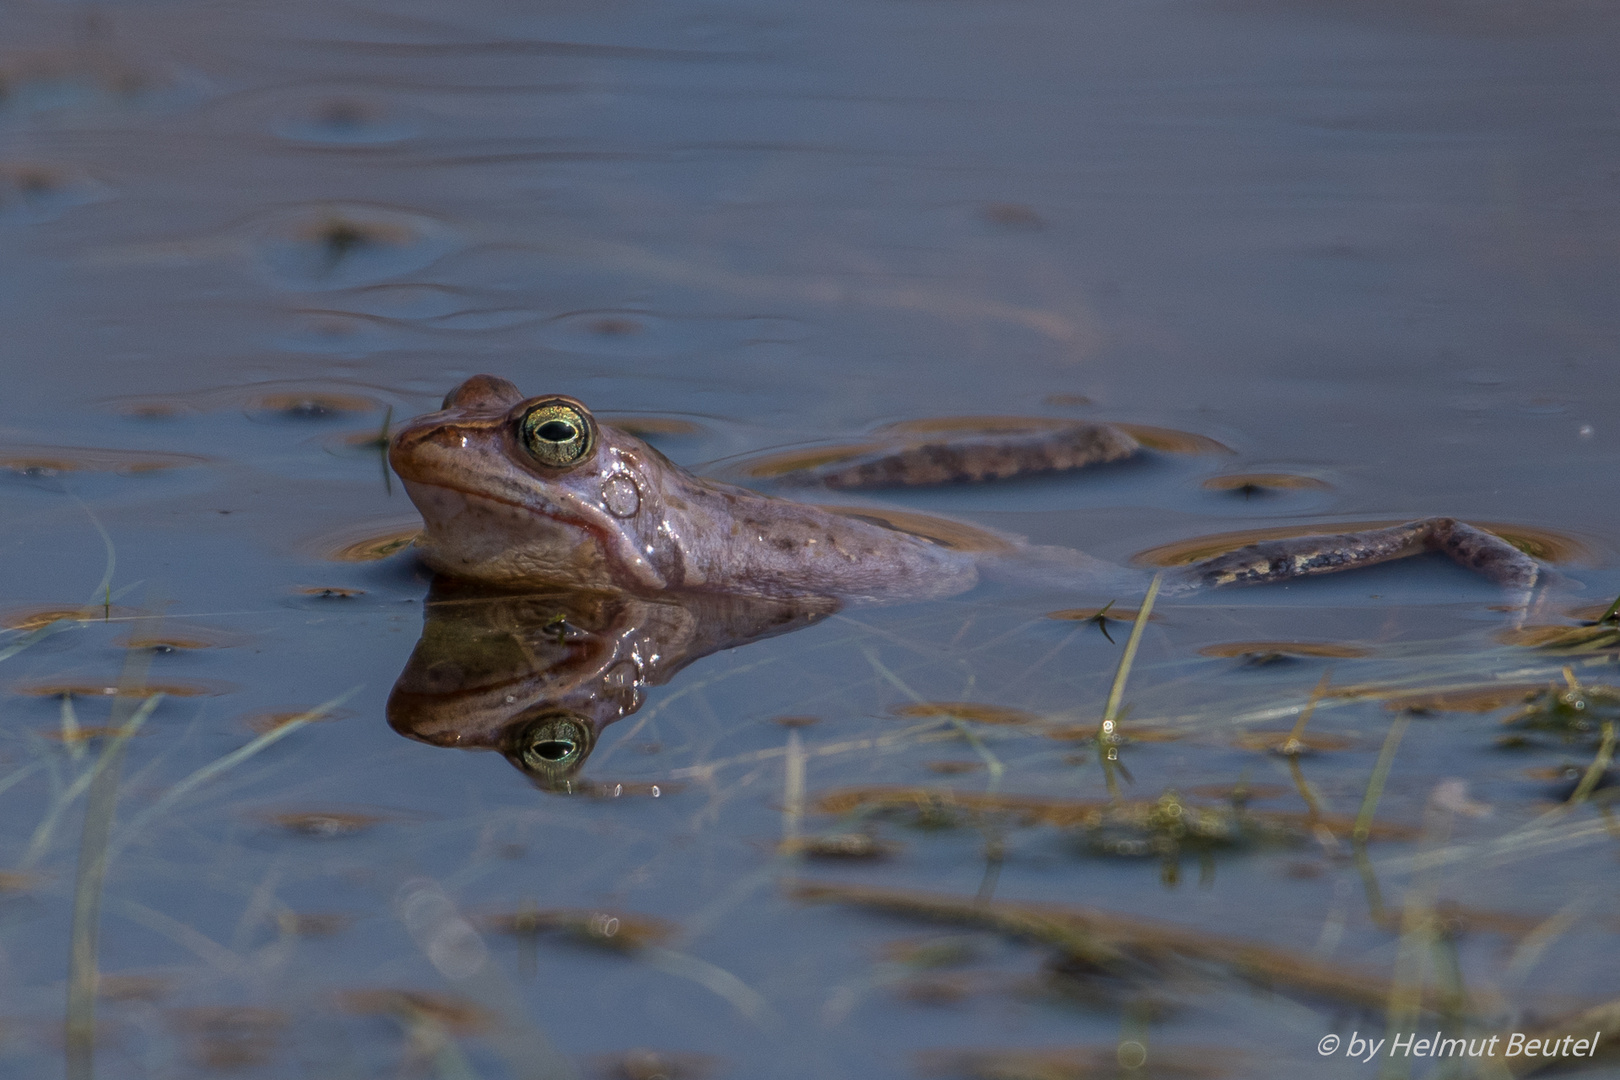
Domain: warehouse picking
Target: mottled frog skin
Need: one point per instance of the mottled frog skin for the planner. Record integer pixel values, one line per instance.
(517, 492)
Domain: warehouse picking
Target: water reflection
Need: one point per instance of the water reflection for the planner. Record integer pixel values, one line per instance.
(538, 675)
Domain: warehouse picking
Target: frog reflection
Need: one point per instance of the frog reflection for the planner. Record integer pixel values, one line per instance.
(538, 675)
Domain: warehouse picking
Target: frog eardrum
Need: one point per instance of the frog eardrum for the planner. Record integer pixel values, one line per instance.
(557, 432)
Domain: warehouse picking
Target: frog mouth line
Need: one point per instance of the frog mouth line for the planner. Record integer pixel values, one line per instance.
(603, 538)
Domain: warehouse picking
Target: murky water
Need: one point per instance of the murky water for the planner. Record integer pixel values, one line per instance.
(1370, 249)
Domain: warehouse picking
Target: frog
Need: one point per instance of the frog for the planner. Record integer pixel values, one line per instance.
(518, 491)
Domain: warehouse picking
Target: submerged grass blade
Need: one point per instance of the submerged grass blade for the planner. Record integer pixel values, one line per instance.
(80, 1022)
(1595, 771)
(792, 793)
(1128, 658)
(718, 981)
(227, 763)
(1108, 729)
(47, 826)
(992, 763)
(1380, 773)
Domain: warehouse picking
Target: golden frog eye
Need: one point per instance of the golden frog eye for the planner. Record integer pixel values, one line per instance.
(552, 745)
(556, 433)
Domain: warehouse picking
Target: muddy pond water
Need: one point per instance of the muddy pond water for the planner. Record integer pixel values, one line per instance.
(1332, 263)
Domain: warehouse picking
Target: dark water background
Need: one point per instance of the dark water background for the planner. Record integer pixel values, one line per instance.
(1376, 243)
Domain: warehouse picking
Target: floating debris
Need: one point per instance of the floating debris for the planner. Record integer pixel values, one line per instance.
(791, 722)
(133, 986)
(1112, 1061)
(40, 461)
(1096, 943)
(323, 823)
(1240, 792)
(966, 710)
(1267, 652)
(83, 734)
(615, 931)
(1068, 401)
(1118, 826)
(455, 1015)
(651, 425)
(110, 690)
(329, 592)
(330, 246)
(953, 768)
(1170, 441)
(265, 722)
(183, 639)
(366, 543)
(1012, 216)
(849, 846)
(313, 923)
(284, 399)
(1468, 699)
(228, 1037)
(1291, 745)
(312, 405)
(18, 881)
(1121, 736)
(934, 952)
(1251, 484)
(655, 1065)
(35, 618)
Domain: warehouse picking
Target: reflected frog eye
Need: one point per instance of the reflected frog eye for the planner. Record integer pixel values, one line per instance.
(556, 433)
(551, 745)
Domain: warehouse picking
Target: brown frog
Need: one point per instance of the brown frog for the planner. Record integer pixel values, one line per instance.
(519, 491)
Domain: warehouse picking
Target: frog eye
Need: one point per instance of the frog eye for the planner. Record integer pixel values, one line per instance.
(552, 745)
(556, 433)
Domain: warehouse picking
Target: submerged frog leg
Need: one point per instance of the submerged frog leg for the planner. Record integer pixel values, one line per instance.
(1483, 552)
(1303, 556)
(980, 457)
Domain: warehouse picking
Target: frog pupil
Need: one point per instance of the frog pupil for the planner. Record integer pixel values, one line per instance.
(557, 431)
(554, 749)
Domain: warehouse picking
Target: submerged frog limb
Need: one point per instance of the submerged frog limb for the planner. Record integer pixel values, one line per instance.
(975, 458)
(1304, 556)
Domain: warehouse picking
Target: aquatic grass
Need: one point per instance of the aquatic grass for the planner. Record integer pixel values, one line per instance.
(1595, 771)
(1128, 946)
(793, 770)
(79, 1021)
(1294, 745)
(224, 764)
(1380, 775)
(43, 832)
(1107, 729)
(992, 763)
